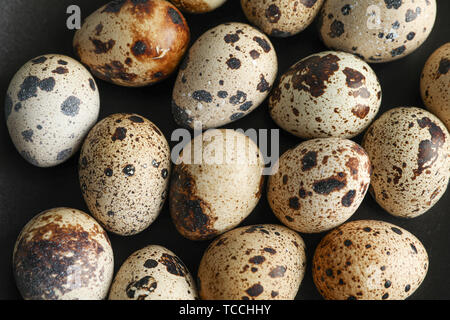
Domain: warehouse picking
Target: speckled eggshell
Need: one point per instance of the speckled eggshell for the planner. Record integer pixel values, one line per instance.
(319, 184)
(410, 152)
(124, 172)
(377, 31)
(260, 262)
(153, 273)
(51, 104)
(281, 18)
(63, 254)
(133, 43)
(198, 6)
(328, 94)
(209, 198)
(435, 83)
(227, 73)
(369, 260)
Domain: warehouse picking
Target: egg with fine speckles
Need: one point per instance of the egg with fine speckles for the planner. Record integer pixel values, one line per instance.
(377, 31)
(327, 94)
(319, 184)
(259, 262)
(51, 104)
(434, 84)
(153, 273)
(198, 6)
(281, 18)
(133, 43)
(124, 172)
(63, 254)
(410, 152)
(369, 260)
(227, 74)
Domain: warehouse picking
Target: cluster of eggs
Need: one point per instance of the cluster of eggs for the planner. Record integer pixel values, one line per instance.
(52, 108)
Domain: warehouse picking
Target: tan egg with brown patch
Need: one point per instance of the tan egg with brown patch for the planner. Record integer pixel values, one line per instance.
(327, 94)
(281, 18)
(216, 183)
(377, 31)
(319, 184)
(410, 152)
(133, 43)
(369, 260)
(435, 83)
(227, 74)
(198, 6)
(259, 262)
(63, 254)
(124, 173)
(153, 273)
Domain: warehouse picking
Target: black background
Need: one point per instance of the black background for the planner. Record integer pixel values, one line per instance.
(29, 28)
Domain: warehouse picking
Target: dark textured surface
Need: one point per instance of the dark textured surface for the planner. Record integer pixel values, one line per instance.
(29, 28)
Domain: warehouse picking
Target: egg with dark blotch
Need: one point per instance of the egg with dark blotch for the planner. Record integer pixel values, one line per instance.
(124, 172)
(133, 43)
(259, 262)
(198, 6)
(410, 153)
(153, 273)
(369, 260)
(319, 184)
(379, 31)
(63, 254)
(51, 104)
(212, 194)
(227, 74)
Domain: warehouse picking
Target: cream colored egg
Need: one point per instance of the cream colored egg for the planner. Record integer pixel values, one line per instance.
(124, 173)
(328, 94)
(227, 73)
(153, 273)
(369, 260)
(198, 6)
(260, 262)
(377, 31)
(63, 254)
(410, 152)
(216, 183)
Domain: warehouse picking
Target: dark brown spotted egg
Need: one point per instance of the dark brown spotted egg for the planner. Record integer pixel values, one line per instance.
(410, 152)
(227, 73)
(133, 43)
(63, 254)
(216, 183)
(153, 273)
(327, 94)
(198, 6)
(124, 172)
(259, 262)
(369, 260)
(281, 18)
(51, 104)
(435, 84)
(377, 31)
(319, 184)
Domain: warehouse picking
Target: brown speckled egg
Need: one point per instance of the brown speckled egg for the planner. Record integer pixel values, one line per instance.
(435, 83)
(377, 31)
(133, 43)
(198, 6)
(328, 94)
(153, 273)
(319, 184)
(213, 193)
(63, 254)
(227, 73)
(410, 152)
(124, 172)
(281, 18)
(260, 262)
(369, 260)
